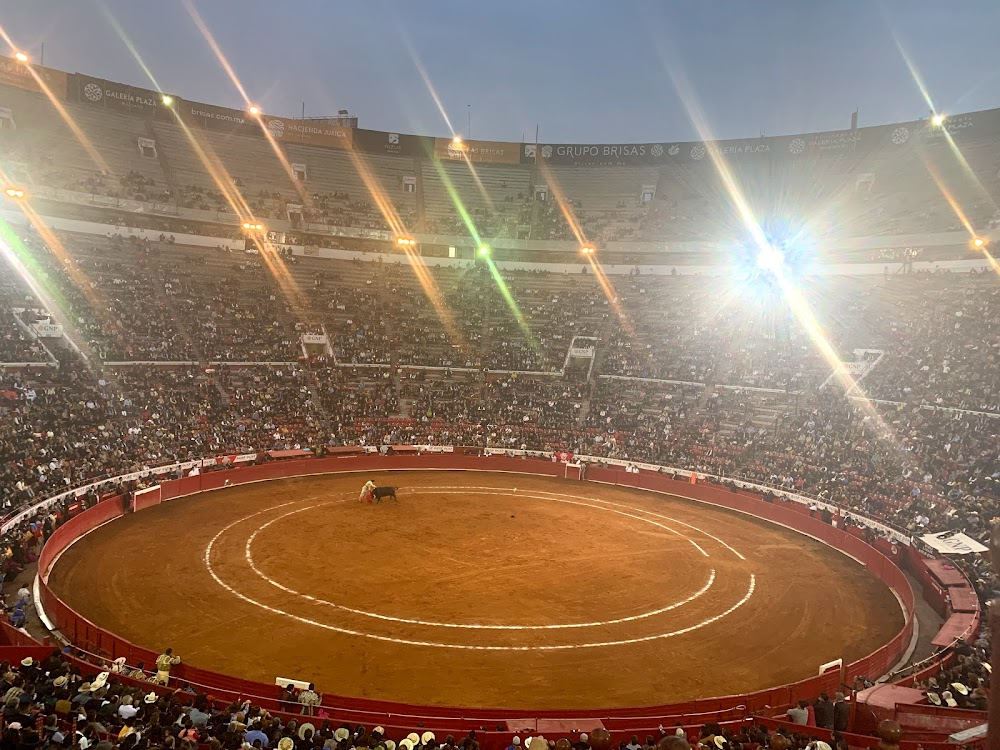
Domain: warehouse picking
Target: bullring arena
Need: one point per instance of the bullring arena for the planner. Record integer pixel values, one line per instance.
(477, 588)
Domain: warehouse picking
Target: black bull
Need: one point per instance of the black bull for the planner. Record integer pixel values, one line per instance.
(379, 492)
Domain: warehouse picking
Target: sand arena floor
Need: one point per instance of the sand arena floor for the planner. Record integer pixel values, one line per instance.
(478, 589)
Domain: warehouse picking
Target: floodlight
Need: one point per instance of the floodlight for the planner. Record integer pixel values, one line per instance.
(938, 120)
(15, 193)
(21, 57)
(770, 259)
(457, 140)
(405, 241)
(484, 251)
(587, 250)
(254, 110)
(167, 100)
(979, 242)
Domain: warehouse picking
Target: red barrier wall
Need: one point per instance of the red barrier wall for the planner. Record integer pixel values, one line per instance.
(92, 638)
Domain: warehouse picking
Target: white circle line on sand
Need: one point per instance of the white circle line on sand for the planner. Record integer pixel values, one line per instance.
(464, 626)
(452, 490)
(618, 505)
(436, 644)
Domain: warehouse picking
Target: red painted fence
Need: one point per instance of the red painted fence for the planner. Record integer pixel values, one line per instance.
(397, 717)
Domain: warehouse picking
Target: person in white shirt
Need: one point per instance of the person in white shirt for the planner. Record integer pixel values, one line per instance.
(126, 710)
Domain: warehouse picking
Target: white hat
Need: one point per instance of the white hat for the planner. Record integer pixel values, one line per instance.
(286, 743)
(820, 745)
(516, 740)
(150, 698)
(378, 730)
(389, 745)
(341, 734)
(60, 681)
(406, 743)
(947, 697)
(414, 738)
(583, 737)
(14, 725)
(306, 725)
(27, 661)
(960, 688)
(101, 681)
(427, 738)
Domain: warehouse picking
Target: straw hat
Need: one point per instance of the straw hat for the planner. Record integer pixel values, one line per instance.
(302, 729)
(286, 743)
(427, 738)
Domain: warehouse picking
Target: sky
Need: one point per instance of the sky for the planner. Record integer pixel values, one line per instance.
(582, 71)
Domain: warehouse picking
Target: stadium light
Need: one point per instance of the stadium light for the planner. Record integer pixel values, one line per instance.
(979, 242)
(587, 250)
(938, 120)
(14, 193)
(484, 251)
(254, 110)
(167, 100)
(457, 140)
(21, 57)
(253, 227)
(405, 241)
(770, 259)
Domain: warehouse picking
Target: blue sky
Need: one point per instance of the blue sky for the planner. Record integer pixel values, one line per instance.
(584, 71)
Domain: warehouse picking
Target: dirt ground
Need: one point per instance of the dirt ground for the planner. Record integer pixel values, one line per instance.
(390, 601)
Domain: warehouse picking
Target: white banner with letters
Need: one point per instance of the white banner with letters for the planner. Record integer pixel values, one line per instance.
(953, 543)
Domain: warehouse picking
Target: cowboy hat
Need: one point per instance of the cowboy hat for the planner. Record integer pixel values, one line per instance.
(960, 688)
(414, 738)
(101, 681)
(406, 743)
(150, 698)
(306, 725)
(389, 745)
(341, 734)
(378, 730)
(426, 738)
(947, 698)
(719, 741)
(60, 681)
(286, 743)
(27, 661)
(85, 687)
(934, 698)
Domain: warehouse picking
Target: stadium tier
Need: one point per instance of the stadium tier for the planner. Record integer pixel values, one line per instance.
(156, 343)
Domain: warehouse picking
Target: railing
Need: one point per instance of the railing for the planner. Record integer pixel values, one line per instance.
(106, 645)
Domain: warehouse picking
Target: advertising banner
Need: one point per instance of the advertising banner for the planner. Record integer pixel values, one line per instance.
(392, 144)
(953, 543)
(14, 73)
(211, 117)
(307, 132)
(115, 97)
(494, 152)
(834, 143)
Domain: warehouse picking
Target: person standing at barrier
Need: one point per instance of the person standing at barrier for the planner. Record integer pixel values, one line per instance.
(164, 662)
(841, 713)
(309, 699)
(824, 712)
